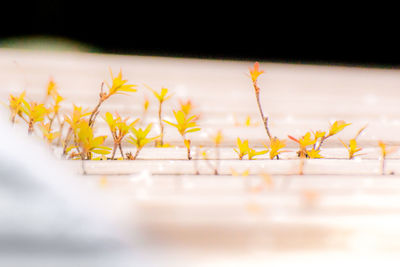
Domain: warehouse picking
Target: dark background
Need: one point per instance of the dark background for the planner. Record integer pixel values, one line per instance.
(242, 31)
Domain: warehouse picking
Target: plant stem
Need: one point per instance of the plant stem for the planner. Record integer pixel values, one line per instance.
(137, 153)
(114, 150)
(161, 124)
(264, 119)
(217, 156)
(94, 113)
(66, 141)
(120, 150)
(30, 127)
(383, 166)
(188, 153)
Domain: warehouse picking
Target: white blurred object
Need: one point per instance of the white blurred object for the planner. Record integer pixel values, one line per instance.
(49, 218)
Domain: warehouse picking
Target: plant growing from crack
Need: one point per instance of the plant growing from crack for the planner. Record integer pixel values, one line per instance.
(274, 146)
(139, 139)
(16, 106)
(118, 86)
(243, 149)
(384, 152)
(254, 74)
(161, 97)
(304, 142)
(352, 147)
(119, 129)
(185, 124)
(321, 136)
(77, 115)
(35, 113)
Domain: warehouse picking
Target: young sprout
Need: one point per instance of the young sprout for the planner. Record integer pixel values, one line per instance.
(86, 144)
(54, 110)
(118, 86)
(140, 139)
(78, 114)
(334, 129)
(352, 147)
(161, 97)
(119, 129)
(304, 153)
(184, 125)
(254, 73)
(35, 112)
(275, 145)
(384, 152)
(16, 106)
(304, 142)
(242, 148)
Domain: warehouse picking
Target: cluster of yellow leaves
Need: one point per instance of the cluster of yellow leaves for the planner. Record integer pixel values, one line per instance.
(35, 113)
(275, 145)
(78, 113)
(184, 124)
(139, 138)
(304, 142)
(162, 96)
(87, 144)
(317, 140)
(16, 105)
(119, 127)
(118, 86)
(243, 149)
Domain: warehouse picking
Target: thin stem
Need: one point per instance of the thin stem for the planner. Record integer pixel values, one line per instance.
(95, 111)
(66, 141)
(83, 167)
(320, 143)
(30, 127)
(137, 153)
(94, 114)
(161, 124)
(383, 166)
(114, 150)
(264, 119)
(120, 150)
(217, 156)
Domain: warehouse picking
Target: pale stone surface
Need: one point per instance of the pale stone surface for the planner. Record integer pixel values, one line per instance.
(339, 212)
